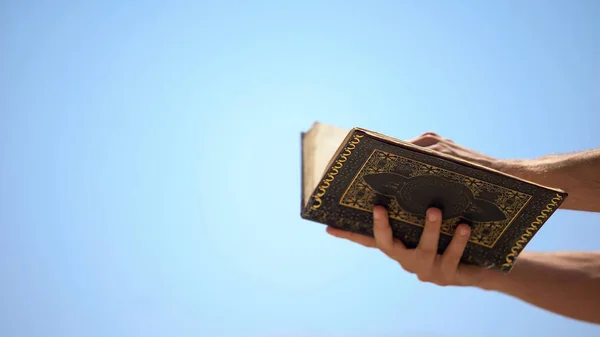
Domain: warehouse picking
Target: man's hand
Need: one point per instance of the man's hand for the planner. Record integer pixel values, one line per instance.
(438, 143)
(423, 261)
(573, 278)
(576, 173)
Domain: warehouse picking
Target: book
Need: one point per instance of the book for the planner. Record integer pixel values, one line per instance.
(345, 173)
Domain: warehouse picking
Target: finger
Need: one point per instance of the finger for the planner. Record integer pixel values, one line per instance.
(354, 237)
(384, 238)
(454, 251)
(428, 245)
(425, 140)
(422, 141)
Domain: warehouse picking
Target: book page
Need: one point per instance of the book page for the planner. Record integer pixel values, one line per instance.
(320, 143)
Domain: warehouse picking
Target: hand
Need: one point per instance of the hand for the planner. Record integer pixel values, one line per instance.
(423, 261)
(438, 143)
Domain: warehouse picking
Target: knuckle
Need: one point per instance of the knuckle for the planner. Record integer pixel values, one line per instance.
(430, 140)
(428, 277)
(446, 278)
(443, 283)
(431, 134)
(395, 256)
(437, 147)
(453, 259)
(407, 267)
(452, 255)
(423, 277)
(441, 147)
(384, 250)
(438, 278)
(426, 252)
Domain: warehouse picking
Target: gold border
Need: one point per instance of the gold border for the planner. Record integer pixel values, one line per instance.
(335, 170)
(533, 227)
(441, 168)
(529, 196)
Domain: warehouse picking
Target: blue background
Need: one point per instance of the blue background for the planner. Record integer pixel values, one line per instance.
(149, 157)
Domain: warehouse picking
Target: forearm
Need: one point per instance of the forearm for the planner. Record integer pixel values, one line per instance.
(578, 174)
(564, 283)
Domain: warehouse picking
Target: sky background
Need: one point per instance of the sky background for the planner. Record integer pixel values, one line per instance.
(149, 158)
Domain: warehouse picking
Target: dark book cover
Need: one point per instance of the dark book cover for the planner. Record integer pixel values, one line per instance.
(504, 212)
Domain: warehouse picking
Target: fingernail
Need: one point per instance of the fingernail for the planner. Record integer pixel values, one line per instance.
(463, 231)
(431, 216)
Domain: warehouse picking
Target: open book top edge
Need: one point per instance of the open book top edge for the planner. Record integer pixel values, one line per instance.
(341, 147)
(410, 146)
(338, 151)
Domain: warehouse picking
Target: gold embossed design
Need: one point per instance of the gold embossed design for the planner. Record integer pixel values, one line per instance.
(339, 163)
(533, 227)
(360, 195)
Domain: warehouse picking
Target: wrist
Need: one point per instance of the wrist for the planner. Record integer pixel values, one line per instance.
(482, 278)
(491, 280)
(502, 282)
(514, 167)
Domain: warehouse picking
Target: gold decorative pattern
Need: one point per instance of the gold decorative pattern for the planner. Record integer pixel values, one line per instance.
(339, 163)
(360, 195)
(539, 220)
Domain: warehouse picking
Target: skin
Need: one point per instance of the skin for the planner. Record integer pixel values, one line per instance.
(576, 173)
(566, 283)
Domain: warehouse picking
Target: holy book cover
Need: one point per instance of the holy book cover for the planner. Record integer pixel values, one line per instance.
(345, 173)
